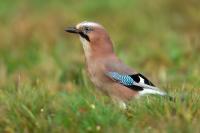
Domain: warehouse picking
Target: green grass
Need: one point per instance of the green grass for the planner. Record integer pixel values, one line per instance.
(28, 108)
(43, 83)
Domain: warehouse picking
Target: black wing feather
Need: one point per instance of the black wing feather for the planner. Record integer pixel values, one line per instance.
(136, 78)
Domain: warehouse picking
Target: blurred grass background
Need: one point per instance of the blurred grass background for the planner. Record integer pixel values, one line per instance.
(43, 85)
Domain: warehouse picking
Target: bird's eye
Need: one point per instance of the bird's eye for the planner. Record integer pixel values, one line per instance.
(87, 29)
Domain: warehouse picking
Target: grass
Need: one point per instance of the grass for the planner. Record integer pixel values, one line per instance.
(43, 83)
(33, 109)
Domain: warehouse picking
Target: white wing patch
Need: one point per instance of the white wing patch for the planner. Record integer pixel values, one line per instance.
(141, 80)
(146, 91)
(135, 81)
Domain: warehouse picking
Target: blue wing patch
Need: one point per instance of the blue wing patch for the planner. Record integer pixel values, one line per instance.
(125, 80)
(136, 82)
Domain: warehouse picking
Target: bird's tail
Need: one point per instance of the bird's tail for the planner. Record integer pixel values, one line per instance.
(156, 91)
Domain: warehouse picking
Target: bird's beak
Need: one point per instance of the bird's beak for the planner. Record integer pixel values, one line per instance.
(72, 30)
(77, 31)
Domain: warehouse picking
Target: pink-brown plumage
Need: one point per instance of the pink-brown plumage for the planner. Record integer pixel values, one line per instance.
(101, 60)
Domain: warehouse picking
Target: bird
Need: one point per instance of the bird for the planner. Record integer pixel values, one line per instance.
(106, 71)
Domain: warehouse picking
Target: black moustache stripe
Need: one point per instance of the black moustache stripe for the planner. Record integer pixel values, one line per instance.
(84, 36)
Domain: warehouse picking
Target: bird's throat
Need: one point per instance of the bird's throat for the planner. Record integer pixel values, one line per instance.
(86, 47)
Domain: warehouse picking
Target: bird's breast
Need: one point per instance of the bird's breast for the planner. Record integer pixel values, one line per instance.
(96, 73)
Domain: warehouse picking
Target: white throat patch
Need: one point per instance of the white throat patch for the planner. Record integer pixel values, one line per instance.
(86, 46)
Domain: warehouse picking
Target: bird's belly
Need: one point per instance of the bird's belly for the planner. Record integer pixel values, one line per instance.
(108, 86)
(113, 89)
(100, 81)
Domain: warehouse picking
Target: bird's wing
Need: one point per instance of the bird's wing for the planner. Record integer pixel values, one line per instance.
(136, 82)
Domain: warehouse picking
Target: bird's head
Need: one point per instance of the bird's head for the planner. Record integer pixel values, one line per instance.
(93, 37)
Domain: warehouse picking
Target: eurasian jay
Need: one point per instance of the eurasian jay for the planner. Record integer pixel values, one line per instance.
(106, 71)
